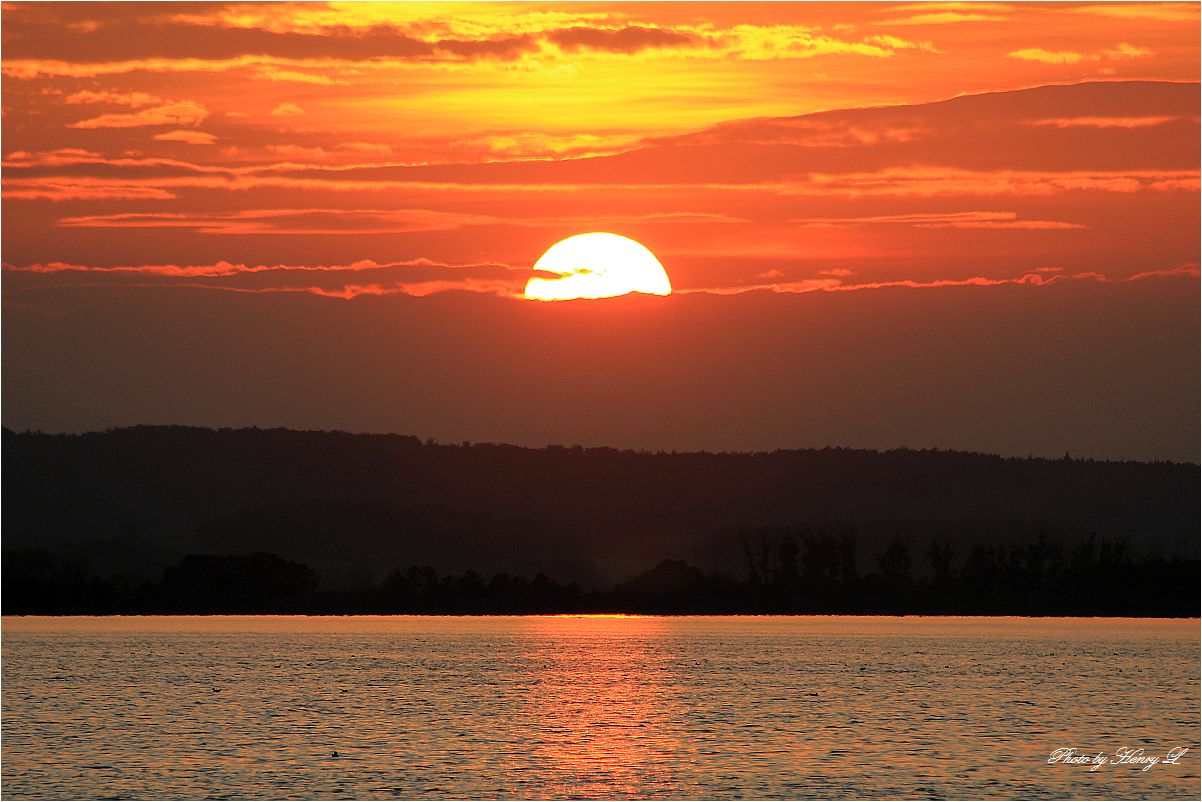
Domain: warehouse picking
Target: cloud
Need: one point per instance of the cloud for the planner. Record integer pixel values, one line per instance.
(531, 144)
(1161, 12)
(294, 76)
(947, 181)
(179, 113)
(768, 42)
(629, 39)
(1041, 277)
(315, 154)
(190, 137)
(1046, 56)
(1185, 270)
(412, 19)
(295, 152)
(1000, 220)
(369, 148)
(128, 35)
(415, 277)
(1106, 122)
(964, 150)
(226, 269)
(944, 18)
(1125, 51)
(28, 69)
(420, 289)
(972, 6)
(76, 164)
(133, 99)
(1025, 225)
(1119, 52)
(291, 222)
(298, 57)
(288, 43)
(287, 110)
(900, 182)
(59, 156)
(420, 277)
(49, 190)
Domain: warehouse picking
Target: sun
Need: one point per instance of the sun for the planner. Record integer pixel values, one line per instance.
(597, 265)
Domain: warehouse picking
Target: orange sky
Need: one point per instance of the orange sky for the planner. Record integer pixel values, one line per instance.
(343, 150)
(333, 135)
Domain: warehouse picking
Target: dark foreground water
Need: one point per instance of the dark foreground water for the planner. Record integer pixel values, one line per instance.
(827, 707)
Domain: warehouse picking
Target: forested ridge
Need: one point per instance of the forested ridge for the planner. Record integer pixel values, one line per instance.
(130, 519)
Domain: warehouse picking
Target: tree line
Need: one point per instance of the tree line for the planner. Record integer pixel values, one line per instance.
(784, 571)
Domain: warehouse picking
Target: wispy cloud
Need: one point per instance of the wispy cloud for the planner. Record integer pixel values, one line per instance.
(225, 269)
(53, 191)
(287, 110)
(1047, 56)
(938, 181)
(1161, 12)
(1033, 279)
(1106, 122)
(296, 77)
(626, 39)
(179, 113)
(415, 277)
(421, 277)
(944, 18)
(1000, 220)
(289, 221)
(326, 221)
(114, 98)
(306, 53)
(531, 144)
(189, 137)
(1119, 52)
(899, 182)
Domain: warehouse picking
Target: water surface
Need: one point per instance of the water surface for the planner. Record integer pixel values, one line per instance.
(690, 707)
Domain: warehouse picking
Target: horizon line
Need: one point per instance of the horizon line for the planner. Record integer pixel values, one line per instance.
(432, 442)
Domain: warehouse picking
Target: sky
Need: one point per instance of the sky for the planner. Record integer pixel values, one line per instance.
(951, 225)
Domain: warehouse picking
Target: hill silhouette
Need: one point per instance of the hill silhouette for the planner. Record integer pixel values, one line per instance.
(359, 510)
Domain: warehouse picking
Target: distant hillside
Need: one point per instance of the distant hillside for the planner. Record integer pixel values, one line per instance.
(355, 507)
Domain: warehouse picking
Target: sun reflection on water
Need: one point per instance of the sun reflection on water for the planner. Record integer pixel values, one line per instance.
(604, 720)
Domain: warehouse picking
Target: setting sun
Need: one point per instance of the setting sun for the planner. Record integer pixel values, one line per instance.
(597, 265)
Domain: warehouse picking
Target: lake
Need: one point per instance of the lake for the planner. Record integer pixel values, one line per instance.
(591, 706)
